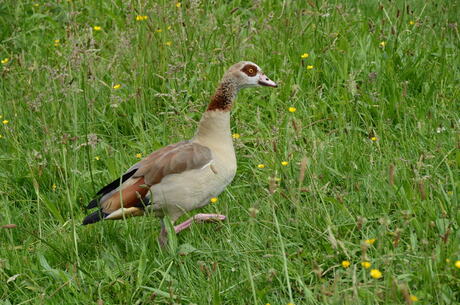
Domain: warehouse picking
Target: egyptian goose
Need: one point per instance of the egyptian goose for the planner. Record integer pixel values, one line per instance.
(184, 176)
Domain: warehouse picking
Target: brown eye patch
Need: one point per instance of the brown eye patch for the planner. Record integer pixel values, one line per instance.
(250, 70)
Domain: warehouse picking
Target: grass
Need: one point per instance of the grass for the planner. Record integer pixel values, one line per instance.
(373, 150)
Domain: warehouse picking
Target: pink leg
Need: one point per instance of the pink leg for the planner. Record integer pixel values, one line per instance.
(198, 218)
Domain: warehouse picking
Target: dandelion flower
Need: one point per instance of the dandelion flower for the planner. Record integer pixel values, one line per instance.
(309, 67)
(138, 156)
(54, 187)
(214, 200)
(304, 55)
(374, 139)
(178, 4)
(284, 163)
(370, 241)
(457, 264)
(5, 61)
(382, 44)
(366, 265)
(56, 42)
(5, 122)
(168, 43)
(345, 264)
(97, 158)
(116, 86)
(158, 30)
(412, 22)
(97, 28)
(290, 303)
(413, 298)
(375, 273)
(292, 109)
(236, 135)
(141, 18)
(261, 166)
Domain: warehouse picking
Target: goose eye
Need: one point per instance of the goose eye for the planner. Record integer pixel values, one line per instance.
(250, 70)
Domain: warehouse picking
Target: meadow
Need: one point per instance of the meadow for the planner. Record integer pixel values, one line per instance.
(347, 189)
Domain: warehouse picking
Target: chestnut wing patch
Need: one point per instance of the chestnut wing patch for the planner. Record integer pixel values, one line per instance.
(250, 70)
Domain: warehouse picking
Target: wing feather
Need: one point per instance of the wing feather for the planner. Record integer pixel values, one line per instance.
(131, 189)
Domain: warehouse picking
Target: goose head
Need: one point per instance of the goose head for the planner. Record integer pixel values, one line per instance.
(247, 74)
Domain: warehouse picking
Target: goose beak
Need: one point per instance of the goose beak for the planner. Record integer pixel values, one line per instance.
(265, 81)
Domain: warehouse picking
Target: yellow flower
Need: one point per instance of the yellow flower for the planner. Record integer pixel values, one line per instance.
(366, 265)
(373, 139)
(54, 187)
(214, 199)
(292, 109)
(36, 4)
(169, 27)
(284, 163)
(375, 273)
(412, 22)
(304, 55)
(97, 28)
(116, 86)
(370, 241)
(138, 156)
(5, 122)
(141, 18)
(97, 158)
(178, 4)
(309, 67)
(345, 264)
(382, 44)
(236, 135)
(168, 43)
(56, 42)
(261, 166)
(457, 264)
(290, 303)
(158, 30)
(413, 298)
(5, 61)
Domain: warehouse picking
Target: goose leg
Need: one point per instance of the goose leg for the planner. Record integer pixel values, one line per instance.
(199, 218)
(163, 237)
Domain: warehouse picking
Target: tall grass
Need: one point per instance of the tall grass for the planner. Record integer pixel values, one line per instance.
(372, 150)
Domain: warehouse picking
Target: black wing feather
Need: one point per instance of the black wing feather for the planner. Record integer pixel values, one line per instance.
(109, 187)
(116, 183)
(94, 217)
